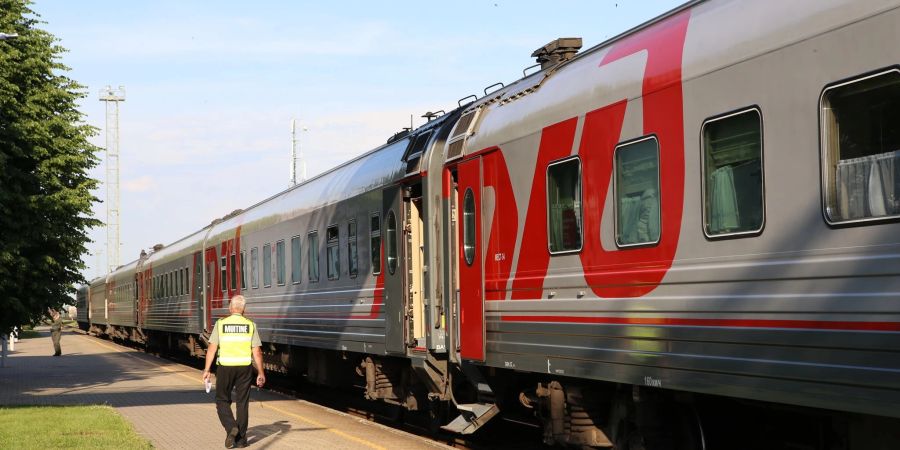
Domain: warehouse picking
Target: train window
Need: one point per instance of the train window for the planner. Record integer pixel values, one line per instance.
(186, 278)
(391, 243)
(333, 252)
(312, 245)
(267, 265)
(254, 267)
(469, 226)
(636, 189)
(375, 242)
(295, 259)
(279, 262)
(352, 256)
(233, 271)
(732, 174)
(243, 271)
(223, 269)
(178, 287)
(861, 148)
(563, 206)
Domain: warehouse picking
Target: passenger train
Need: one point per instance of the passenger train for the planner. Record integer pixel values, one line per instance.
(690, 224)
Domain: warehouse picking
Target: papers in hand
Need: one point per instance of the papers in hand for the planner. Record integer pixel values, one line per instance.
(208, 385)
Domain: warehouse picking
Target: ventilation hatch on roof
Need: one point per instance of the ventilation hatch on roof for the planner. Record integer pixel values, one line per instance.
(461, 133)
(413, 155)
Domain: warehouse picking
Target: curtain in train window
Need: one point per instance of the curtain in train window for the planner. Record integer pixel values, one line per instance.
(312, 246)
(279, 263)
(333, 253)
(352, 254)
(861, 139)
(564, 205)
(375, 243)
(267, 265)
(637, 193)
(733, 176)
(254, 268)
(295, 259)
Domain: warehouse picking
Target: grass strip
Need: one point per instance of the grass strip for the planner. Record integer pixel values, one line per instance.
(76, 427)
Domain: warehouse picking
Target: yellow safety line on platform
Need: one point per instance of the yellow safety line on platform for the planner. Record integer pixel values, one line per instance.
(274, 408)
(322, 425)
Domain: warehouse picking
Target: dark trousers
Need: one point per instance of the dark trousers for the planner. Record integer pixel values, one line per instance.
(237, 378)
(55, 336)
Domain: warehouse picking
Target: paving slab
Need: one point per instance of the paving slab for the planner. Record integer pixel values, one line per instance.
(166, 401)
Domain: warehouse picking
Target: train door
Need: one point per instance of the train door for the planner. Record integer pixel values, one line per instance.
(470, 324)
(413, 265)
(394, 298)
(136, 298)
(197, 292)
(210, 282)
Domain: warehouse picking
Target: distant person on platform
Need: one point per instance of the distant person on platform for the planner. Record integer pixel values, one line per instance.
(56, 332)
(237, 341)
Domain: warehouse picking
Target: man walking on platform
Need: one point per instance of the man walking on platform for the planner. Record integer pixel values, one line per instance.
(238, 344)
(56, 332)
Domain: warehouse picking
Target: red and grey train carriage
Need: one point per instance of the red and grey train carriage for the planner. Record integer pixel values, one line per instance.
(702, 208)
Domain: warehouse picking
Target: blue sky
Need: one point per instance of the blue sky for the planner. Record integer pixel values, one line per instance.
(211, 87)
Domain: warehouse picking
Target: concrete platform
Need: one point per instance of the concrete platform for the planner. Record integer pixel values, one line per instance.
(167, 404)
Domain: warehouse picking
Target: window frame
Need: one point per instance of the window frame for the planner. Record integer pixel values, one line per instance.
(223, 270)
(762, 165)
(580, 203)
(395, 240)
(299, 274)
(233, 272)
(254, 274)
(309, 249)
(280, 259)
(267, 250)
(329, 244)
(352, 239)
(615, 181)
(825, 173)
(376, 234)
(469, 193)
(243, 270)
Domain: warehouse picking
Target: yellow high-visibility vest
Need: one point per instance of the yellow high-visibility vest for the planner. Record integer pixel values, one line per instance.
(235, 335)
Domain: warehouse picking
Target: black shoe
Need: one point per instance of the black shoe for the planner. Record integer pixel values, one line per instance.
(232, 435)
(241, 443)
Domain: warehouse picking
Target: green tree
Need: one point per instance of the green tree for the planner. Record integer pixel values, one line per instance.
(45, 192)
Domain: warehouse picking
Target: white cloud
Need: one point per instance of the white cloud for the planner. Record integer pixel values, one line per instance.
(141, 184)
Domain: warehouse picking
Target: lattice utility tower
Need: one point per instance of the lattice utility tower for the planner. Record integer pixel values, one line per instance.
(297, 154)
(112, 97)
